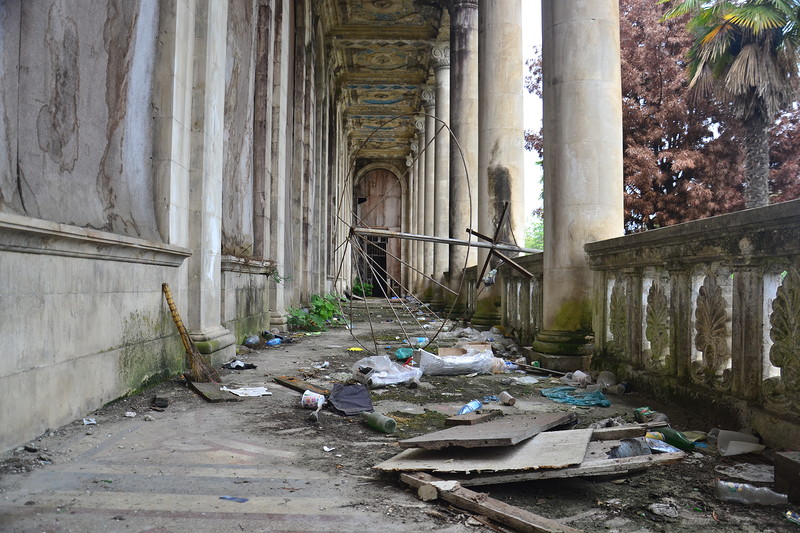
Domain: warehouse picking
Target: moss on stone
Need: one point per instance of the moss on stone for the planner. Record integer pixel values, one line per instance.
(574, 315)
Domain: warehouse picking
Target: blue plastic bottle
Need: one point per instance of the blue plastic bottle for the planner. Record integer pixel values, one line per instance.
(474, 405)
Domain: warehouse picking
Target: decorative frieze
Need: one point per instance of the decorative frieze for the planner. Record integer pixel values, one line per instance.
(657, 327)
(712, 336)
(783, 392)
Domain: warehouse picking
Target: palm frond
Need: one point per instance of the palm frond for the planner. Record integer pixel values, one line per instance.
(756, 18)
(681, 7)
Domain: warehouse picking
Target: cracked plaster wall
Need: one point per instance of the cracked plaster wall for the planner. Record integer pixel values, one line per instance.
(77, 121)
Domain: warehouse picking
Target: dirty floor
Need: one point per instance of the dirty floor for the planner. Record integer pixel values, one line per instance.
(166, 471)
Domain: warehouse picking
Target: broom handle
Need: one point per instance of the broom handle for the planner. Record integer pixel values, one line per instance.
(177, 318)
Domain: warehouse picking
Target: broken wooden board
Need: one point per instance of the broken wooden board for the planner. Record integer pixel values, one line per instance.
(476, 502)
(506, 431)
(299, 385)
(595, 463)
(211, 393)
(625, 432)
(553, 449)
(472, 418)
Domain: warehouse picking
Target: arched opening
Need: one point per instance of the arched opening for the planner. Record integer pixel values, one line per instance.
(377, 198)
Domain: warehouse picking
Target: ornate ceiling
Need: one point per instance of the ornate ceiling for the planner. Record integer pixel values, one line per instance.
(381, 56)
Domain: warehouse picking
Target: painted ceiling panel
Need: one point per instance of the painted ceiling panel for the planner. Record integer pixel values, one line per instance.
(380, 52)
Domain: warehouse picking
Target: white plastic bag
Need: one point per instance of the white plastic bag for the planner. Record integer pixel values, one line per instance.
(379, 371)
(472, 362)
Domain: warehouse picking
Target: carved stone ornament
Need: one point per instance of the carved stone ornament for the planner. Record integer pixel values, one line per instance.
(618, 318)
(711, 336)
(440, 57)
(428, 98)
(783, 392)
(657, 326)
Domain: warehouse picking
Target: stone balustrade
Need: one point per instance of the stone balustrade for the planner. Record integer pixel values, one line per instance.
(708, 312)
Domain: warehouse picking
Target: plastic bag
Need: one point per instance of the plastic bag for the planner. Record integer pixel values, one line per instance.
(379, 371)
(481, 362)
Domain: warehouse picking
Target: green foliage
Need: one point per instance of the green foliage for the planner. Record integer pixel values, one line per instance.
(534, 233)
(323, 309)
(362, 288)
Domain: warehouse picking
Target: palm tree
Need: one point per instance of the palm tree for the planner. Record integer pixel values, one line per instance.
(746, 52)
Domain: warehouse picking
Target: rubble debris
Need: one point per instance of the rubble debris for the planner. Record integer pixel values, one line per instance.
(506, 514)
(380, 371)
(506, 431)
(473, 417)
(556, 449)
(247, 391)
(299, 385)
(573, 396)
(236, 364)
(787, 474)
(751, 472)
(734, 442)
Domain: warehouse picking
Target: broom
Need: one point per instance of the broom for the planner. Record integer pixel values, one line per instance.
(199, 369)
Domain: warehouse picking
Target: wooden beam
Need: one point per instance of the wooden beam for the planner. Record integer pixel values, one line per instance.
(476, 502)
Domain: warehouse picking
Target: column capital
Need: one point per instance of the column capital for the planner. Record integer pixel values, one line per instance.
(428, 97)
(419, 125)
(440, 56)
(414, 147)
(466, 4)
(410, 159)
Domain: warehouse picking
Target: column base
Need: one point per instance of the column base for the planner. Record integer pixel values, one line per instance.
(561, 363)
(277, 319)
(217, 343)
(562, 350)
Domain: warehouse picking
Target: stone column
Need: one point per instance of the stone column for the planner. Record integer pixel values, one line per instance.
(405, 244)
(500, 140)
(205, 210)
(429, 101)
(278, 186)
(419, 217)
(440, 55)
(412, 225)
(583, 168)
(464, 123)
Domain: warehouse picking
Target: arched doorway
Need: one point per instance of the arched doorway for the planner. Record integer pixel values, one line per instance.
(378, 204)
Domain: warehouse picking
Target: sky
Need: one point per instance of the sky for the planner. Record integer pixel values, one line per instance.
(532, 105)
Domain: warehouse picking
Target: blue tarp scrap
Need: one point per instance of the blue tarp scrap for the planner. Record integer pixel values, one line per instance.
(576, 396)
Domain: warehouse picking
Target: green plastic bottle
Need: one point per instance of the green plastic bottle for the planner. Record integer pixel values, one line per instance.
(380, 422)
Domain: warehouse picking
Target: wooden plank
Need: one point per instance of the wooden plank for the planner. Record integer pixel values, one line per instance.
(476, 502)
(596, 463)
(210, 392)
(625, 432)
(506, 431)
(475, 417)
(552, 449)
(299, 385)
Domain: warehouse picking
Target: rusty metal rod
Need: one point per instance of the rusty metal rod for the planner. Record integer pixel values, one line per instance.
(441, 240)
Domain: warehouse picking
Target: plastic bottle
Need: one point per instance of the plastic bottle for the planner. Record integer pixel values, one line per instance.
(728, 491)
(380, 422)
(676, 438)
(474, 405)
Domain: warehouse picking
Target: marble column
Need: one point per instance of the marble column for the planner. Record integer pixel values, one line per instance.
(429, 102)
(500, 139)
(419, 218)
(464, 123)
(405, 276)
(583, 169)
(440, 60)
(278, 186)
(205, 175)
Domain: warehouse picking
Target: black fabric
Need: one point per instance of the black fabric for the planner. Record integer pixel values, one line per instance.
(350, 399)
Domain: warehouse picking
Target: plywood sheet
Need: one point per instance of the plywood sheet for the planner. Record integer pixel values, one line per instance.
(554, 449)
(470, 419)
(506, 431)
